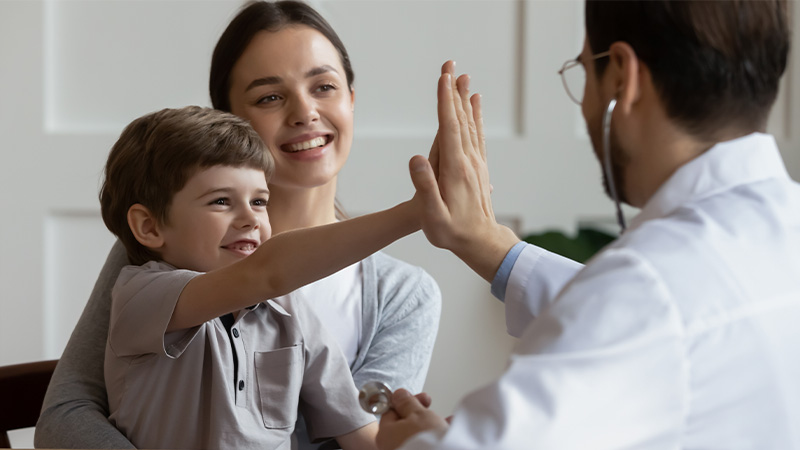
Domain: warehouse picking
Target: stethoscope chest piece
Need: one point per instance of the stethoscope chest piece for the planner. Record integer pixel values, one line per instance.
(375, 397)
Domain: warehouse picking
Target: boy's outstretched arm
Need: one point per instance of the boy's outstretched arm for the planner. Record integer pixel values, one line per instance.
(290, 260)
(362, 438)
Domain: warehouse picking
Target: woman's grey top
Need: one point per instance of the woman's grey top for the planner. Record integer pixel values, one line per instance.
(400, 313)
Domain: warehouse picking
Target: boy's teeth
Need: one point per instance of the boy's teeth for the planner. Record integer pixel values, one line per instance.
(244, 247)
(316, 142)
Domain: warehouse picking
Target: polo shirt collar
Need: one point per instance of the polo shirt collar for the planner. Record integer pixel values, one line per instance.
(724, 166)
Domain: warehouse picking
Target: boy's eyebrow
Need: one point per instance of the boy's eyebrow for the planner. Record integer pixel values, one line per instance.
(263, 81)
(215, 190)
(227, 191)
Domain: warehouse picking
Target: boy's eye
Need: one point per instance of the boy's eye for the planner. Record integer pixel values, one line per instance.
(220, 201)
(260, 202)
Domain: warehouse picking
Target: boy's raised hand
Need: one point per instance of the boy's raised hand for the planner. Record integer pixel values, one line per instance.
(453, 187)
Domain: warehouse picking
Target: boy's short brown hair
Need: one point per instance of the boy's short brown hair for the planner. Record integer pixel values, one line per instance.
(156, 155)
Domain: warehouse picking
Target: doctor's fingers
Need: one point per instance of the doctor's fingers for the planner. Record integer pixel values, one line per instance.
(449, 132)
(476, 151)
(454, 140)
(477, 115)
(479, 161)
(405, 404)
(462, 87)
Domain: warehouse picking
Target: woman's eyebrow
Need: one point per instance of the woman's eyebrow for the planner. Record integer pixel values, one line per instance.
(263, 81)
(320, 70)
(277, 80)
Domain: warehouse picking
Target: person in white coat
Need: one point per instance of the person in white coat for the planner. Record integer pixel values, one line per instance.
(683, 333)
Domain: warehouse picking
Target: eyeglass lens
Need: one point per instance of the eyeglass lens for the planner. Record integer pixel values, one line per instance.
(575, 81)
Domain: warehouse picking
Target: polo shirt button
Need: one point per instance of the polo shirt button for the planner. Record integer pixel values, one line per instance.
(241, 385)
(235, 333)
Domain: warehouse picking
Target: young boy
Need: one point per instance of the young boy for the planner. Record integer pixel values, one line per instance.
(197, 356)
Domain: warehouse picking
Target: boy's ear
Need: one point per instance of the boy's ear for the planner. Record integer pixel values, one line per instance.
(144, 226)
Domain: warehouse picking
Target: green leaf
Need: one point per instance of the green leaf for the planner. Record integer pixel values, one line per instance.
(579, 248)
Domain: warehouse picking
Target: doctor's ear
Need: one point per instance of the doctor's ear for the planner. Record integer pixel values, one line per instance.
(145, 227)
(628, 73)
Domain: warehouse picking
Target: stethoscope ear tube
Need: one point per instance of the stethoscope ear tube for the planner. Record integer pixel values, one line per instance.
(607, 167)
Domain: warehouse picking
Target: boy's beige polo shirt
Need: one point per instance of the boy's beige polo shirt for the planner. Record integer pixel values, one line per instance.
(177, 390)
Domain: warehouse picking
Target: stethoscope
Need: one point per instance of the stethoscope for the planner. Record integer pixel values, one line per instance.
(375, 397)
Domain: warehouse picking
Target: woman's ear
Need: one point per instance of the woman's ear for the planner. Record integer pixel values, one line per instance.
(627, 72)
(145, 227)
(352, 99)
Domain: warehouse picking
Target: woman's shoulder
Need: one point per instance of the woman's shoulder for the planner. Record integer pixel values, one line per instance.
(393, 277)
(389, 268)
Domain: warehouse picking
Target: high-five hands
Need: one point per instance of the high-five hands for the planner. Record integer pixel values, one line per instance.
(453, 183)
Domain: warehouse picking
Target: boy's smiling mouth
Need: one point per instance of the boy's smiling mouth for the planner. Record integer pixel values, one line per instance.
(244, 247)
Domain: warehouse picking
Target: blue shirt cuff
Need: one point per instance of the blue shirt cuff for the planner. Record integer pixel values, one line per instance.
(504, 272)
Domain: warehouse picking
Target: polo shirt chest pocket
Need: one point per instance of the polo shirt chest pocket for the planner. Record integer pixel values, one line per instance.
(279, 375)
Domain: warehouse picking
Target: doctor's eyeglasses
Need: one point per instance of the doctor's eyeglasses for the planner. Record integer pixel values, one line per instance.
(575, 80)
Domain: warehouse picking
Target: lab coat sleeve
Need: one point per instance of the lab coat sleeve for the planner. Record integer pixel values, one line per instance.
(535, 280)
(602, 367)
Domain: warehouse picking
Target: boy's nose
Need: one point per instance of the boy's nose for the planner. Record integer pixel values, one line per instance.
(247, 219)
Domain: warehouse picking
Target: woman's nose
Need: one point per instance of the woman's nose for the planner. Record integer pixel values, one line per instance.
(303, 111)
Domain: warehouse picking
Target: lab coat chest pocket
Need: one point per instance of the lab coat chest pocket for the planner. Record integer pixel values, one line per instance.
(279, 374)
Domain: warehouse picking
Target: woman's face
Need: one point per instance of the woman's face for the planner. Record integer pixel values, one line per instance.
(291, 86)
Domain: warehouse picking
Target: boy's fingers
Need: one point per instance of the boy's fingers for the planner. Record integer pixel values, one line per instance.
(425, 183)
(433, 156)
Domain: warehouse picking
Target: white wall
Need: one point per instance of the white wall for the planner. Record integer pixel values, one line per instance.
(74, 72)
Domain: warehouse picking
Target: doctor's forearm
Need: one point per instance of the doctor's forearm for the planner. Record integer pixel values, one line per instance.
(485, 251)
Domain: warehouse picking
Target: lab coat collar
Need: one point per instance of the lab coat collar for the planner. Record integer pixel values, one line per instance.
(722, 167)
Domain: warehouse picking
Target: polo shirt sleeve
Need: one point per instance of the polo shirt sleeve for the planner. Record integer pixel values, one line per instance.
(143, 300)
(328, 397)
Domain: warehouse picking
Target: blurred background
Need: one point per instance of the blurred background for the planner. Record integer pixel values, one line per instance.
(73, 73)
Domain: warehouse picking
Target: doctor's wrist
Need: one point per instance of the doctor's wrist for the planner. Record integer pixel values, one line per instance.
(484, 252)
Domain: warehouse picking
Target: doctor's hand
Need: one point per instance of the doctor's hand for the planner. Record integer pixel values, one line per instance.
(409, 415)
(453, 183)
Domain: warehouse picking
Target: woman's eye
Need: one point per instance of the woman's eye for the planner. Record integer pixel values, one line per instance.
(269, 98)
(326, 88)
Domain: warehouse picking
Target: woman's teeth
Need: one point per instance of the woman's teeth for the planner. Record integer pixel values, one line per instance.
(316, 142)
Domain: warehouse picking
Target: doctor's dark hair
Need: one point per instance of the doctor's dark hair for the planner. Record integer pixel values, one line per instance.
(156, 155)
(259, 16)
(716, 64)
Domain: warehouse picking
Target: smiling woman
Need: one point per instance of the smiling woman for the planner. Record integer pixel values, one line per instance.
(299, 100)
(282, 67)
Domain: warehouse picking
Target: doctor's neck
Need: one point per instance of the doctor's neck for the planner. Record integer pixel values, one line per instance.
(655, 147)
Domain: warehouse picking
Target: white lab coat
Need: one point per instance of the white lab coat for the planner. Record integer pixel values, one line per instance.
(684, 333)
